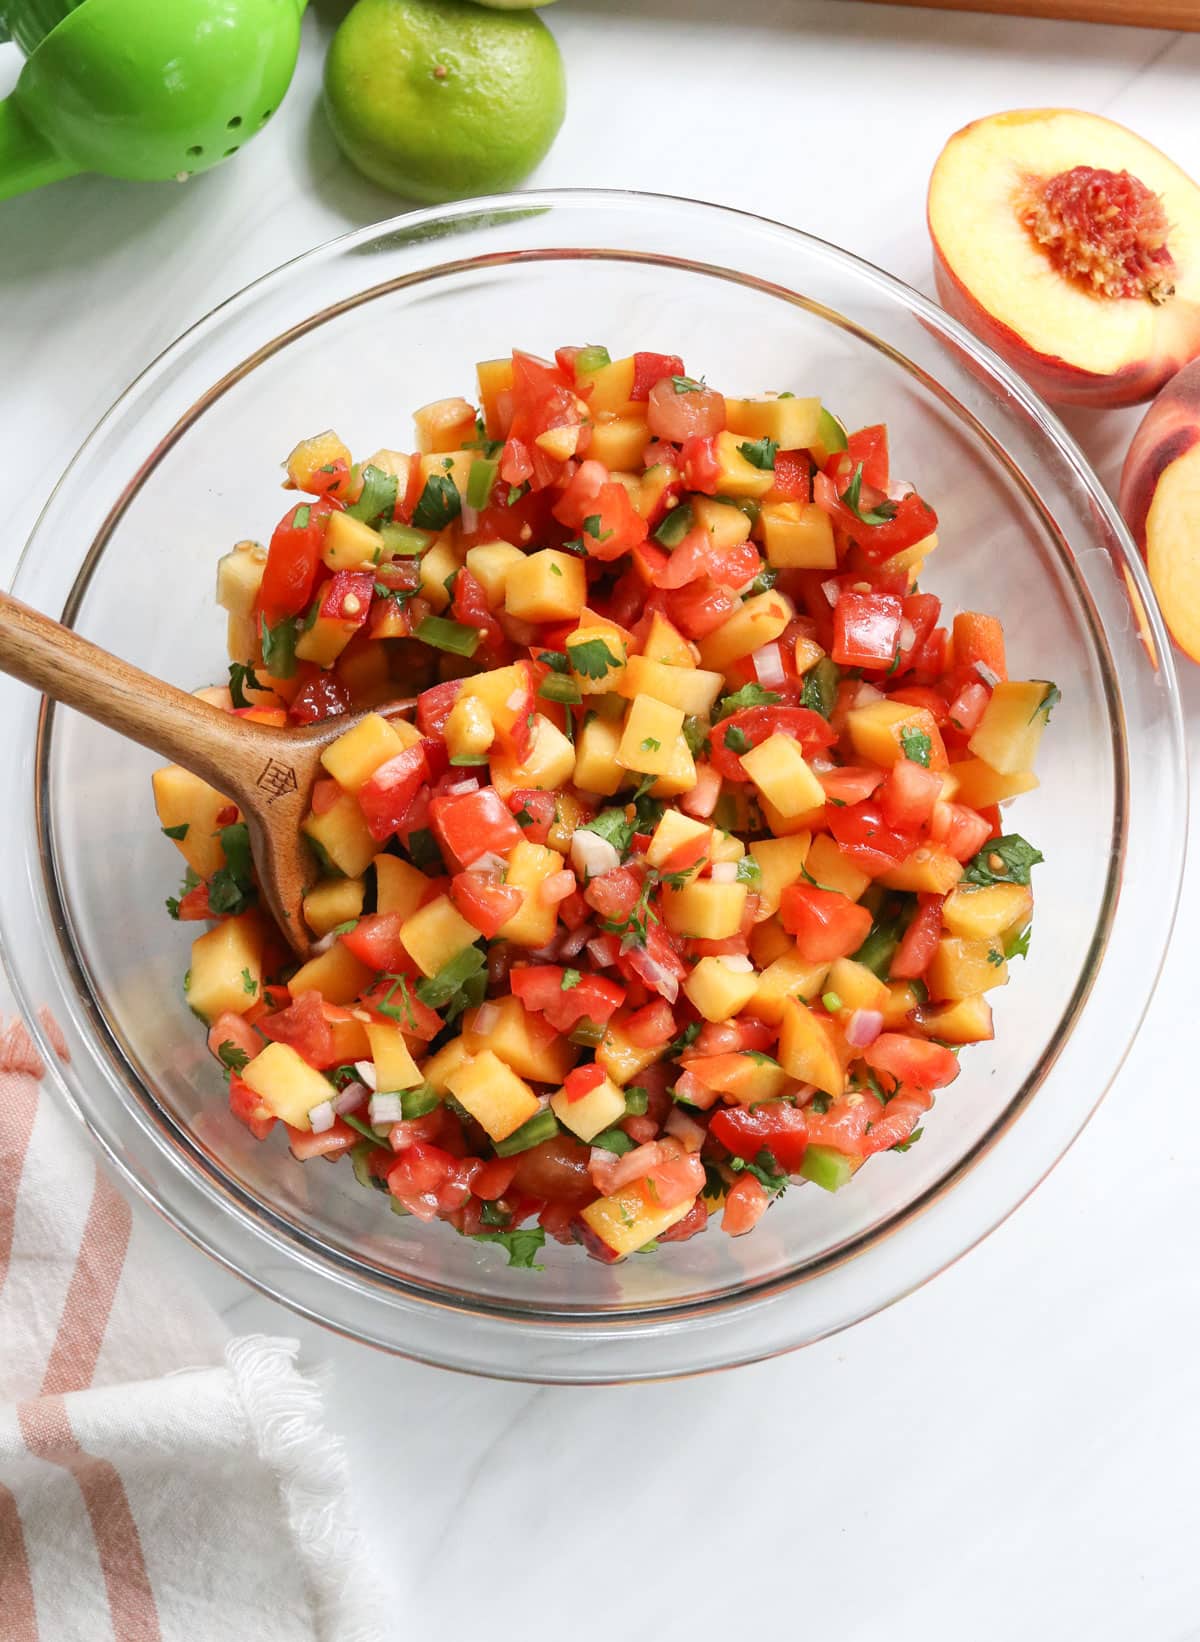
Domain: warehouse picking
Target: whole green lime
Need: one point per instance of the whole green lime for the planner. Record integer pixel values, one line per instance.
(438, 99)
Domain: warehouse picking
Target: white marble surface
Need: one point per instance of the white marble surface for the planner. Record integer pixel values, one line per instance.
(1008, 1452)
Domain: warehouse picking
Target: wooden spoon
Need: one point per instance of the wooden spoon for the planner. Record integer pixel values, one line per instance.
(267, 772)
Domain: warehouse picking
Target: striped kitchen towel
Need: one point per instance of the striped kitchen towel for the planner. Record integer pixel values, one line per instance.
(159, 1481)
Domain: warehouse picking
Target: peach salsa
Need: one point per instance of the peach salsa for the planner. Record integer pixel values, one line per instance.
(683, 879)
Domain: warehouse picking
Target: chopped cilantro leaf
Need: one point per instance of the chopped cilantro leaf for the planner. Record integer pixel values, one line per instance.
(612, 826)
(592, 658)
(1048, 702)
(279, 647)
(850, 498)
(1017, 946)
(916, 746)
(181, 831)
(591, 526)
(748, 871)
(249, 984)
(555, 660)
(571, 978)
(687, 384)
(750, 695)
(651, 745)
(232, 1057)
(760, 453)
(903, 1145)
(1006, 860)
(438, 504)
(231, 887)
(736, 739)
(520, 1245)
(241, 679)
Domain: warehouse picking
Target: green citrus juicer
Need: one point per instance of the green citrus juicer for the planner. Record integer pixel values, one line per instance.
(142, 89)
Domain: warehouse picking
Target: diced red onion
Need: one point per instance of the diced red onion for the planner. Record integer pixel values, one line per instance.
(908, 635)
(724, 872)
(323, 945)
(351, 1098)
(602, 951)
(470, 517)
(650, 971)
(866, 693)
(489, 864)
(592, 856)
(485, 1020)
(366, 1071)
(737, 962)
(863, 1027)
(685, 1129)
(768, 666)
(515, 701)
(573, 944)
(470, 784)
(384, 1110)
(556, 888)
(832, 590)
(990, 678)
(320, 1117)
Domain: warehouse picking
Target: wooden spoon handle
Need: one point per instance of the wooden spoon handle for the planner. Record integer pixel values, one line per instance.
(225, 751)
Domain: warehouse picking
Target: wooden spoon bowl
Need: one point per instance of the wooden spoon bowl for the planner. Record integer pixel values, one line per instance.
(267, 772)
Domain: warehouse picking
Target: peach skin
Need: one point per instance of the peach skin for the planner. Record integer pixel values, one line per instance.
(1160, 498)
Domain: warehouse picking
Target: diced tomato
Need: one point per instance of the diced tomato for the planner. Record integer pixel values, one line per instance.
(246, 1105)
(385, 797)
(745, 1206)
(233, 1029)
(915, 952)
(913, 520)
(775, 1125)
(701, 607)
(583, 1080)
(304, 1027)
(435, 705)
(331, 1142)
(793, 477)
(862, 833)
(543, 397)
(613, 527)
(743, 1032)
(194, 907)
(908, 795)
(614, 894)
(688, 853)
(321, 695)
(961, 830)
(346, 597)
(850, 783)
(539, 810)
(695, 413)
(699, 465)
(574, 910)
(675, 1179)
(375, 941)
(826, 924)
(293, 559)
(652, 1026)
(753, 725)
(912, 1061)
(866, 629)
(485, 902)
(540, 988)
(897, 1120)
(419, 1169)
(649, 368)
(844, 1124)
(920, 695)
(494, 1179)
(468, 825)
(470, 606)
(870, 447)
(401, 1007)
(696, 556)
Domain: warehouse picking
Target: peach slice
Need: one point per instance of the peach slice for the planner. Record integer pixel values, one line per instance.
(1072, 247)
(1160, 498)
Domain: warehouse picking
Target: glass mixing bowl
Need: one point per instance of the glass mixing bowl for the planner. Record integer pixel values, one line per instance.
(354, 336)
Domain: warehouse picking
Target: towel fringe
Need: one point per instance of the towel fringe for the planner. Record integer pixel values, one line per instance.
(286, 1414)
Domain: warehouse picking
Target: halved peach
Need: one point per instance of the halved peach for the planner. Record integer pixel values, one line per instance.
(1072, 247)
(1160, 498)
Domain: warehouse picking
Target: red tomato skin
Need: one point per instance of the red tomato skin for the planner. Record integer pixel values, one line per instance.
(826, 924)
(293, 560)
(870, 447)
(758, 724)
(321, 695)
(649, 368)
(375, 941)
(677, 417)
(912, 1061)
(540, 989)
(915, 952)
(245, 1105)
(793, 479)
(651, 1026)
(909, 793)
(778, 1127)
(701, 607)
(303, 1026)
(484, 902)
(745, 1206)
(434, 707)
(468, 825)
(863, 834)
(385, 798)
(866, 629)
(699, 466)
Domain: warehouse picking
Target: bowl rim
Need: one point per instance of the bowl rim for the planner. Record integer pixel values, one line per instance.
(293, 1237)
